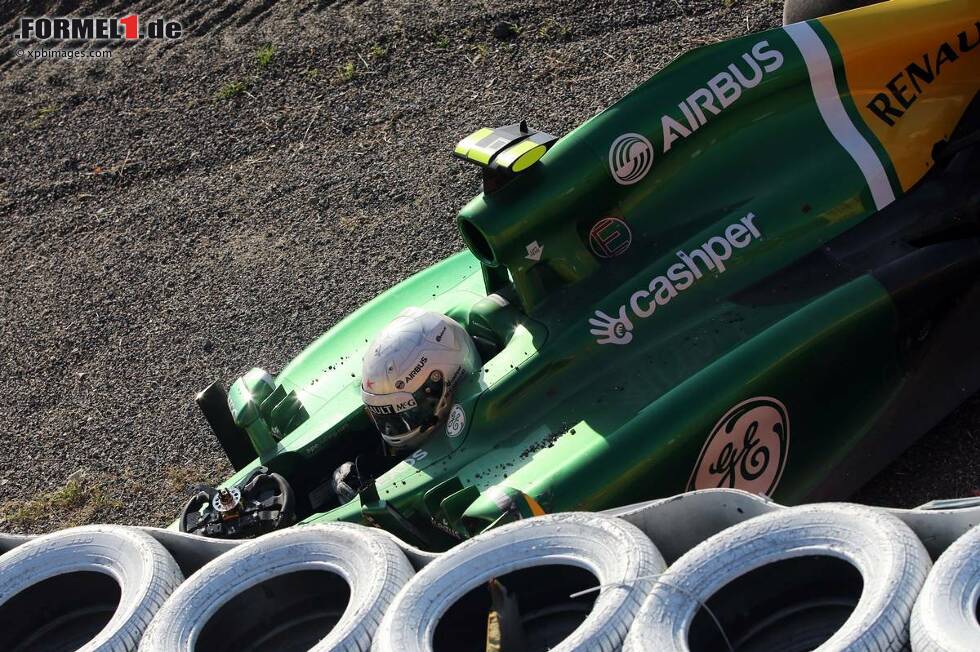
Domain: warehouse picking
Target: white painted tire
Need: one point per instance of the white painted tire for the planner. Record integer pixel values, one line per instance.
(944, 618)
(369, 561)
(144, 570)
(616, 552)
(892, 562)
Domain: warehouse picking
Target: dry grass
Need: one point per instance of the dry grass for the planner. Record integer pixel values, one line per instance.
(181, 479)
(41, 115)
(80, 501)
(97, 498)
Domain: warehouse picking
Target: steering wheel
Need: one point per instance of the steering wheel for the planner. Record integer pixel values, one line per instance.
(260, 503)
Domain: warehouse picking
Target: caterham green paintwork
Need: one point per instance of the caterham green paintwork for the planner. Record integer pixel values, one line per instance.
(735, 276)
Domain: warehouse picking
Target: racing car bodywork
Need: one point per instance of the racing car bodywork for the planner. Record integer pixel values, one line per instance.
(757, 270)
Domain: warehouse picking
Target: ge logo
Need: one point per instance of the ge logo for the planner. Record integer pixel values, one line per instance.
(456, 421)
(747, 448)
(630, 158)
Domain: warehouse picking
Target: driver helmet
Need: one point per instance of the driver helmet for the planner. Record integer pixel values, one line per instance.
(410, 372)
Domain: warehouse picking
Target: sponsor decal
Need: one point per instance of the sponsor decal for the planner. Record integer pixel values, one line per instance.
(405, 405)
(457, 375)
(416, 457)
(747, 448)
(630, 158)
(720, 92)
(910, 83)
(392, 408)
(444, 527)
(711, 255)
(902, 90)
(610, 237)
(456, 421)
(534, 251)
(631, 155)
(614, 330)
(416, 369)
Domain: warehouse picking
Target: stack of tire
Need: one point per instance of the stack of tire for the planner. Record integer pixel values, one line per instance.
(825, 577)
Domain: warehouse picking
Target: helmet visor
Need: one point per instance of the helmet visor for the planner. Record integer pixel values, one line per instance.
(397, 415)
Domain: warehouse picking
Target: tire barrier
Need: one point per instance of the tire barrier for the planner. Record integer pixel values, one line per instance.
(709, 570)
(251, 584)
(615, 552)
(797, 606)
(944, 618)
(87, 588)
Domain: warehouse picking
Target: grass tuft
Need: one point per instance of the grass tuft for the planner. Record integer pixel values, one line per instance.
(265, 55)
(479, 52)
(231, 90)
(347, 72)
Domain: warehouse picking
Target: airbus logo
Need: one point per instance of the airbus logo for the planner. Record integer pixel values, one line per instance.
(415, 371)
(630, 158)
(631, 154)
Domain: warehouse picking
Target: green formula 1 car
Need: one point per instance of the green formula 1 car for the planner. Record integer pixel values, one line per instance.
(757, 270)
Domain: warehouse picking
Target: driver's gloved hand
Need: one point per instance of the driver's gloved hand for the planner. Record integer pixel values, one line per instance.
(345, 482)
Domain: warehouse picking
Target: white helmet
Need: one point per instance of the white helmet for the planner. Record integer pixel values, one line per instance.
(410, 371)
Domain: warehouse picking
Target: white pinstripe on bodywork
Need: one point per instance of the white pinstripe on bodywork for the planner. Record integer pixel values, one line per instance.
(821, 71)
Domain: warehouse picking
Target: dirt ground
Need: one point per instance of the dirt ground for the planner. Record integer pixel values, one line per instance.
(183, 211)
